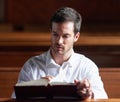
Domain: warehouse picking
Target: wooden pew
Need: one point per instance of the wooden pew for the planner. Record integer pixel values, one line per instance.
(43, 38)
(8, 78)
(103, 50)
(110, 77)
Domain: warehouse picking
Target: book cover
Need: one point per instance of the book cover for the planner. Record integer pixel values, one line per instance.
(45, 89)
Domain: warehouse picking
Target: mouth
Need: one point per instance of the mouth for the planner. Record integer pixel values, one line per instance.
(59, 47)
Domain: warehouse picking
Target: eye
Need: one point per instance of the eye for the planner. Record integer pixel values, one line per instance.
(55, 34)
(66, 36)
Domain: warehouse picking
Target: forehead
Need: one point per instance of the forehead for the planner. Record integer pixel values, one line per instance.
(63, 26)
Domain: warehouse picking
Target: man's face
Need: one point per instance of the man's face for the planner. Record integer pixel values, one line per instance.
(63, 37)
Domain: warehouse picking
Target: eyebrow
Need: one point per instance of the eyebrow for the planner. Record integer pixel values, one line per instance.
(63, 33)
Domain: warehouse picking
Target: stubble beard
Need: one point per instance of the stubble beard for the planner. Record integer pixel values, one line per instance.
(58, 49)
(61, 52)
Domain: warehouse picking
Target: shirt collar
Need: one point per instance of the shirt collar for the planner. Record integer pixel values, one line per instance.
(71, 60)
(50, 60)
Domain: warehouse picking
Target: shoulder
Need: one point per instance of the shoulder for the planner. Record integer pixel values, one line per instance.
(87, 66)
(84, 61)
(35, 60)
(81, 57)
(38, 57)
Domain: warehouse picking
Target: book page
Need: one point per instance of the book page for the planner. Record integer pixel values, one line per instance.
(40, 82)
(61, 83)
(43, 82)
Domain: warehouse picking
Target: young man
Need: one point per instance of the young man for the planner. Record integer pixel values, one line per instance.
(61, 62)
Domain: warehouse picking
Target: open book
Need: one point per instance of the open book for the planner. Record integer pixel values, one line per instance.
(43, 88)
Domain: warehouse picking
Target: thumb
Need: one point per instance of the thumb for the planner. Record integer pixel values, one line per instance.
(76, 81)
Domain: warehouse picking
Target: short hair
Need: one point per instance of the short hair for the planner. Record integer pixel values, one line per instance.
(65, 14)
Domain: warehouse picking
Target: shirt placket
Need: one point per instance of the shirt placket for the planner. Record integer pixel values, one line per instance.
(62, 71)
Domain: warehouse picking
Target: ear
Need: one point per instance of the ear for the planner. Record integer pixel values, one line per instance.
(76, 37)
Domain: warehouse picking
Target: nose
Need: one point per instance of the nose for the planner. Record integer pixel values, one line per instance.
(60, 40)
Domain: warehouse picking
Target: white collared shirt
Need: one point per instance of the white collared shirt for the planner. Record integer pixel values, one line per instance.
(77, 67)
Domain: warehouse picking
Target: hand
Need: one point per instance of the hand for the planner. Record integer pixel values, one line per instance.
(49, 78)
(84, 89)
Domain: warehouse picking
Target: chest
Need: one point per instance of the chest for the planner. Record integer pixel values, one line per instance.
(64, 73)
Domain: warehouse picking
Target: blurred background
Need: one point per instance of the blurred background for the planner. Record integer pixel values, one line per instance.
(24, 32)
(24, 13)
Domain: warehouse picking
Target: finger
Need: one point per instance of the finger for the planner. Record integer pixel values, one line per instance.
(76, 81)
(80, 84)
(85, 93)
(83, 82)
(49, 78)
(87, 83)
(84, 88)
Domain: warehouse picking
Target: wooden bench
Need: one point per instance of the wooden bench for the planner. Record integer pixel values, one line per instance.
(103, 50)
(43, 38)
(110, 77)
(8, 78)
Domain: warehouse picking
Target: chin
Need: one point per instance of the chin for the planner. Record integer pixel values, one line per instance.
(60, 53)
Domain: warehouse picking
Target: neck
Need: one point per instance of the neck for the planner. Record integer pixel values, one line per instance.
(59, 59)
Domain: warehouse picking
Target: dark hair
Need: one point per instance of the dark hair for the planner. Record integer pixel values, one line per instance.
(67, 14)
